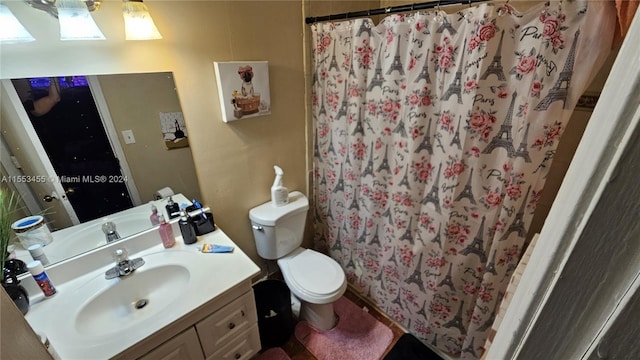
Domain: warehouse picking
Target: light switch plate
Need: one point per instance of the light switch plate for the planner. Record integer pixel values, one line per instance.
(128, 137)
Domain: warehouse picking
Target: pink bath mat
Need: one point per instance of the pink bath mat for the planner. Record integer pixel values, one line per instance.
(274, 354)
(358, 336)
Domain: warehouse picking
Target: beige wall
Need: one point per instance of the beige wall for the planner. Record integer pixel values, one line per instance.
(152, 165)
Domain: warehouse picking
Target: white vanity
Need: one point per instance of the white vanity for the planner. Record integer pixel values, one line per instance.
(181, 304)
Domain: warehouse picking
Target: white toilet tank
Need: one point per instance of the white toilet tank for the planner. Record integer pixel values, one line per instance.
(279, 230)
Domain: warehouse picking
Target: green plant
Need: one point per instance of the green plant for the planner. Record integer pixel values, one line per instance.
(9, 204)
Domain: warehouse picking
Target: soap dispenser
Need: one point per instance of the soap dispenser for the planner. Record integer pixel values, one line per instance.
(187, 228)
(279, 193)
(166, 233)
(155, 218)
(173, 210)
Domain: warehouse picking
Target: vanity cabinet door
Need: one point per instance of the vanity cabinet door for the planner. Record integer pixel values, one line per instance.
(184, 346)
(225, 325)
(242, 347)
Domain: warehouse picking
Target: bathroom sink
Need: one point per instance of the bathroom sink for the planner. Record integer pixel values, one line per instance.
(132, 299)
(101, 308)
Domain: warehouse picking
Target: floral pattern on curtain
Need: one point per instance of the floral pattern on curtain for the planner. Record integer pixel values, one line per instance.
(433, 136)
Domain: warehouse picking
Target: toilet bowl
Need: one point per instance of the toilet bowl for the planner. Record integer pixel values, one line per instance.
(317, 281)
(313, 278)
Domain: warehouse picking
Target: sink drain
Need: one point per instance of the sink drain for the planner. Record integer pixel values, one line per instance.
(141, 303)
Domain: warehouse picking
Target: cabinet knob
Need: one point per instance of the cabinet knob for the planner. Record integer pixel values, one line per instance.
(238, 355)
(231, 326)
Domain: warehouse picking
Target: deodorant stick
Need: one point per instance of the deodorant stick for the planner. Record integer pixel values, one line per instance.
(37, 271)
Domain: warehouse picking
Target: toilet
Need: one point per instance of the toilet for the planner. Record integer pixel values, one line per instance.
(313, 278)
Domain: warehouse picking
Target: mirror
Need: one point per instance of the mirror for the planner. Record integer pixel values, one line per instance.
(102, 151)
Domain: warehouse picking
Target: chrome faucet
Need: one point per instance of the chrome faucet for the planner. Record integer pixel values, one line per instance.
(124, 266)
(109, 230)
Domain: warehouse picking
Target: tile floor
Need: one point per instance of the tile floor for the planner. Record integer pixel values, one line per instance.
(297, 351)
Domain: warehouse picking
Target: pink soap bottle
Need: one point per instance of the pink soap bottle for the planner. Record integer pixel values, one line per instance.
(155, 218)
(166, 233)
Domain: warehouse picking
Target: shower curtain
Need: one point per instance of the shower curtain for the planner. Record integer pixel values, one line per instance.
(433, 136)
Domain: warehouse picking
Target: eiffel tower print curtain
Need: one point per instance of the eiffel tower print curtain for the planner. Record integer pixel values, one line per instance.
(433, 136)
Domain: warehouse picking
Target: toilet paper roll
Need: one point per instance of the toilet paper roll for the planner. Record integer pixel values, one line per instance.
(163, 193)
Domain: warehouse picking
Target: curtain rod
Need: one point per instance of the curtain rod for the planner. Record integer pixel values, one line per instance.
(390, 10)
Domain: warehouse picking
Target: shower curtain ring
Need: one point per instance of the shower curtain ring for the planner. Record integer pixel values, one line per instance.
(468, 14)
(438, 17)
(504, 8)
(413, 6)
(387, 10)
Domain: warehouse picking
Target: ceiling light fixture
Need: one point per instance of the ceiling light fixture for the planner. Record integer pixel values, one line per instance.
(49, 6)
(11, 30)
(75, 21)
(138, 24)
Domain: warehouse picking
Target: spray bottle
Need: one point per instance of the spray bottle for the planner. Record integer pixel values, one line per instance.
(279, 193)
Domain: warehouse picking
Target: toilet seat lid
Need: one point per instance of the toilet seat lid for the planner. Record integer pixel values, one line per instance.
(316, 273)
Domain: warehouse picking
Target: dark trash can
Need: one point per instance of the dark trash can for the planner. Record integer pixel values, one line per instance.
(275, 318)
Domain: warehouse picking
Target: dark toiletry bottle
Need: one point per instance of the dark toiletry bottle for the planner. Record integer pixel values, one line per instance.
(173, 210)
(187, 228)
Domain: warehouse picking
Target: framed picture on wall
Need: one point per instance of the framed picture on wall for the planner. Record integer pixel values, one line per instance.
(174, 131)
(243, 89)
